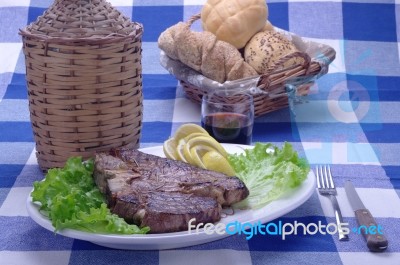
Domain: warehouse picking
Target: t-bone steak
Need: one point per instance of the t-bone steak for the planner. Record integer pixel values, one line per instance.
(161, 193)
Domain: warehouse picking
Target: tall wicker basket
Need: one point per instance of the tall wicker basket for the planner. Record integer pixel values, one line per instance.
(84, 79)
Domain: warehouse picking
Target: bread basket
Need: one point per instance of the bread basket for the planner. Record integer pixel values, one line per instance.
(269, 91)
(83, 73)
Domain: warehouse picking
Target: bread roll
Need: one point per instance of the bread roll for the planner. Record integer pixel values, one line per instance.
(215, 59)
(265, 50)
(234, 21)
(268, 26)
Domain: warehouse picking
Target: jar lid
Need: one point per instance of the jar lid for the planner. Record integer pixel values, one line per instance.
(78, 20)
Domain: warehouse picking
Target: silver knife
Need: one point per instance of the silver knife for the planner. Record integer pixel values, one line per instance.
(376, 241)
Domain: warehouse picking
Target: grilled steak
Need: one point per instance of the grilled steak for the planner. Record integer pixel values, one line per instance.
(165, 211)
(161, 193)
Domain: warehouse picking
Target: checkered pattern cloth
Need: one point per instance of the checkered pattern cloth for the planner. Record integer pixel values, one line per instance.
(351, 120)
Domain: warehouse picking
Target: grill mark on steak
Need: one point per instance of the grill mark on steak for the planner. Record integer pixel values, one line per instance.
(227, 190)
(161, 193)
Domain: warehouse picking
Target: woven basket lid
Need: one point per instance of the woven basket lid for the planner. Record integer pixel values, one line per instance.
(82, 20)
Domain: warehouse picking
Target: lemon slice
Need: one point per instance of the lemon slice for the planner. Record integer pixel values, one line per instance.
(193, 135)
(207, 141)
(187, 129)
(180, 151)
(213, 160)
(197, 153)
(169, 148)
(187, 148)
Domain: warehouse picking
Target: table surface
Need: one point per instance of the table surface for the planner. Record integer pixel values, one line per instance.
(351, 120)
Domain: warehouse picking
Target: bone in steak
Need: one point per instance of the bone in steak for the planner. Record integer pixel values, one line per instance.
(161, 193)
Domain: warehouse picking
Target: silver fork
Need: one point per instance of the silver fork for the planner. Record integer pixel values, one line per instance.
(326, 187)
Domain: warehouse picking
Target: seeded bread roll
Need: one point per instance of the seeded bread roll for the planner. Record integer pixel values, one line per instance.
(265, 50)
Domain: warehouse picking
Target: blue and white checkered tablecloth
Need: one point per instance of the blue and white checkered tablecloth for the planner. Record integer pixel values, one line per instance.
(351, 120)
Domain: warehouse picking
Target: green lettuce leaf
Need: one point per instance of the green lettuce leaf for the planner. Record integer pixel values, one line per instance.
(268, 172)
(70, 198)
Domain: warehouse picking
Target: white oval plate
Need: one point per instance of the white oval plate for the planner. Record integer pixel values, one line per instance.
(184, 239)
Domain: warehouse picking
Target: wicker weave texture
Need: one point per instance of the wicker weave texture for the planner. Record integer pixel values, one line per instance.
(75, 20)
(273, 84)
(84, 79)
